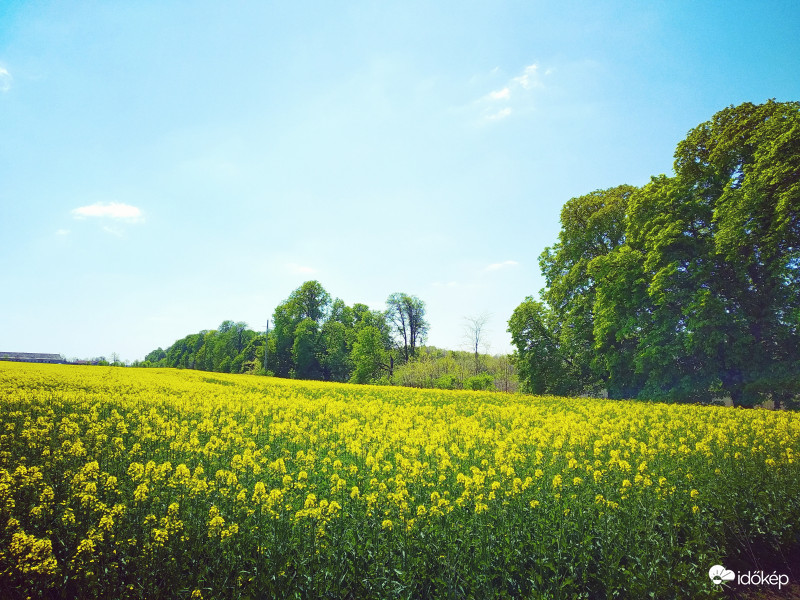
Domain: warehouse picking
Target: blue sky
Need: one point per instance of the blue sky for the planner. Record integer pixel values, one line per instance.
(167, 165)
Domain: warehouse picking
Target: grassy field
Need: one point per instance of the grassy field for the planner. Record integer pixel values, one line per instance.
(148, 483)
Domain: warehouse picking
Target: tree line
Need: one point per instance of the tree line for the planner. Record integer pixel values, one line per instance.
(685, 289)
(316, 337)
(232, 348)
(313, 337)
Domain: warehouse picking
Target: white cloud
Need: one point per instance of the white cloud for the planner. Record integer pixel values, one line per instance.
(5, 80)
(503, 94)
(300, 269)
(500, 114)
(62, 232)
(111, 210)
(501, 265)
(529, 77)
(517, 94)
(113, 230)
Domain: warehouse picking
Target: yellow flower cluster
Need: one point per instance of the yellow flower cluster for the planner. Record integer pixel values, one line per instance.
(157, 459)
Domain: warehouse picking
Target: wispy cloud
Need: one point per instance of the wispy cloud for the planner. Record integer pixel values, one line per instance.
(111, 210)
(501, 265)
(500, 114)
(5, 80)
(503, 94)
(116, 231)
(448, 284)
(514, 96)
(300, 269)
(529, 78)
(62, 232)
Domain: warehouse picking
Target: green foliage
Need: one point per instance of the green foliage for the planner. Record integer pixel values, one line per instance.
(453, 370)
(335, 359)
(251, 359)
(543, 363)
(324, 350)
(305, 350)
(313, 337)
(316, 338)
(593, 226)
(369, 356)
(721, 248)
(310, 301)
(447, 381)
(407, 316)
(555, 339)
(155, 356)
(621, 306)
(280, 350)
(686, 289)
(231, 348)
(484, 381)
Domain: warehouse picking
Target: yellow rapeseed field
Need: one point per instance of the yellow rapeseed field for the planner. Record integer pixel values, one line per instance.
(157, 483)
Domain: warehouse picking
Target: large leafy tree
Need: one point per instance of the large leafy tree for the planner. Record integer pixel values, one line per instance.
(314, 337)
(621, 312)
(336, 347)
(364, 317)
(407, 315)
(281, 340)
(251, 358)
(561, 328)
(721, 242)
(306, 350)
(370, 356)
(309, 301)
(544, 365)
(688, 288)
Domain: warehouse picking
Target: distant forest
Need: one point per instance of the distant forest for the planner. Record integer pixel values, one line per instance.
(686, 289)
(315, 337)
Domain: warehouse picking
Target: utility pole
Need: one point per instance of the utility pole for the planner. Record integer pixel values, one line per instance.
(266, 347)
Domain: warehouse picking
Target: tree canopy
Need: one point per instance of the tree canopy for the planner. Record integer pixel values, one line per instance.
(407, 316)
(313, 337)
(685, 289)
(231, 348)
